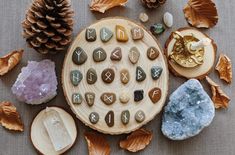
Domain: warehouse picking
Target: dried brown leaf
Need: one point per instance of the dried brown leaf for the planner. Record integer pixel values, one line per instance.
(219, 98)
(97, 144)
(137, 140)
(201, 13)
(103, 5)
(9, 61)
(9, 117)
(224, 67)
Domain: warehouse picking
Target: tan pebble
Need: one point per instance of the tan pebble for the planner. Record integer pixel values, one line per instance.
(124, 97)
(125, 76)
(143, 17)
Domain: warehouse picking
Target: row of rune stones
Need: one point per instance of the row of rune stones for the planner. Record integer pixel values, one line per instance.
(110, 98)
(108, 75)
(79, 56)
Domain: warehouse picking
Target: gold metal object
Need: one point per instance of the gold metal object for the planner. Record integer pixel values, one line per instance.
(182, 52)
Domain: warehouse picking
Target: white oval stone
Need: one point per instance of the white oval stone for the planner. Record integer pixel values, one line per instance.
(168, 19)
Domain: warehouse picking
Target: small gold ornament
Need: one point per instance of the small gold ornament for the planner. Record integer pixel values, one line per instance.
(188, 51)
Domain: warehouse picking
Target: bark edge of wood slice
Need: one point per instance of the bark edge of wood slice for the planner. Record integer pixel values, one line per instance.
(199, 72)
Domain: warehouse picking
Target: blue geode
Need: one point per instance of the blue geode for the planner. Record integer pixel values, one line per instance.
(189, 110)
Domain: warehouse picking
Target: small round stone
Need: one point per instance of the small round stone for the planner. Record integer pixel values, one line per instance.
(77, 98)
(155, 94)
(138, 95)
(94, 117)
(99, 54)
(76, 77)
(152, 53)
(140, 116)
(124, 97)
(125, 117)
(108, 75)
(109, 118)
(108, 98)
(79, 56)
(143, 17)
(125, 76)
(91, 76)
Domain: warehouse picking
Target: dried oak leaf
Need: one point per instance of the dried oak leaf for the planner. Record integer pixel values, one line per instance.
(9, 61)
(201, 13)
(137, 140)
(224, 67)
(103, 5)
(97, 144)
(9, 117)
(219, 98)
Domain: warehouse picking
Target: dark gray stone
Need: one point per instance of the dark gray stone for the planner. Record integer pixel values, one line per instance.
(79, 56)
(125, 117)
(90, 34)
(99, 54)
(156, 72)
(94, 117)
(109, 119)
(91, 76)
(140, 74)
(138, 95)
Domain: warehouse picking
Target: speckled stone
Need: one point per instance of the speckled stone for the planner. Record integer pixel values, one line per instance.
(134, 55)
(79, 56)
(94, 117)
(99, 54)
(155, 94)
(125, 117)
(152, 53)
(76, 77)
(138, 95)
(77, 98)
(188, 111)
(91, 76)
(116, 54)
(105, 34)
(90, 98)
(140, 116)
(140, 74)
(156, 72)
(108, 75)
(137, 33)
(109, 119)
(90, 34)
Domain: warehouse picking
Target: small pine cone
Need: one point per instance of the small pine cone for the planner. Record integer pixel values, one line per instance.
(153, 3)
(48, 25)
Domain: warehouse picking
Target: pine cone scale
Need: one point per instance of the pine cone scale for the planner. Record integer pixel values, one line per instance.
(153, 3)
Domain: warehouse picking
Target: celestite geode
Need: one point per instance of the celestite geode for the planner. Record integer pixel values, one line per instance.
(37, 82)
(189, 110)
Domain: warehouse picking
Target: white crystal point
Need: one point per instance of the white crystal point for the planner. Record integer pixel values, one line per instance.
(188, 112)
(168, 19)
(37, 83)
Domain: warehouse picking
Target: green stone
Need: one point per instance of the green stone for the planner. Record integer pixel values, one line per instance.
(76, 77)
(157, 29)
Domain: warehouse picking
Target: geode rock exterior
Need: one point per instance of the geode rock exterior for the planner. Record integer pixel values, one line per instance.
(37, 83)
(189, 110)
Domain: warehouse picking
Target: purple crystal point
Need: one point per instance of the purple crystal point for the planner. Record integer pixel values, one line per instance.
(37, 82)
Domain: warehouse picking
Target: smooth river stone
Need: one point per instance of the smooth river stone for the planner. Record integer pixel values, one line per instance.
(108, 98)
(140, 116)
(121, 34)
(91, 76)
(99, 54)
(109, 118)
(140, 74)
(90, 98)
(105, 34)
(188, 111)
(134, 55)
(77, 98)
(79, 56)
(125, 76)
(155, 94)
(76, 77)
(94, 117)
(108, 75)
(116, 54)
(152, 53)
(137, 33)
(124, 97)
(156, 72)
(138, 95)
(90, 34)
(125, 117)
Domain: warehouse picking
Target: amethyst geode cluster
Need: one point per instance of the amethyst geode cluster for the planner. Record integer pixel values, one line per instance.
(37, 83)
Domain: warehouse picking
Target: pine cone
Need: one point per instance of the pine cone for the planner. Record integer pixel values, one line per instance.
(153, 3)
(48, 25)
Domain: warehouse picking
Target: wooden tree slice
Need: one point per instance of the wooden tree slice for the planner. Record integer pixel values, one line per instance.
(200, 71)
(83, 111)
(39, 135)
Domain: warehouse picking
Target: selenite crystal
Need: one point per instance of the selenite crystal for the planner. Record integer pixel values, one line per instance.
(37, 83)
(189, 110)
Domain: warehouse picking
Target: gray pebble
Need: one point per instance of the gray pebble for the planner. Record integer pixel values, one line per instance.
(94, 117)
(91, 76)
(77, 98)
(156, 72)
(140, 74)
(79, 56)
(105, 34)
(140, 116)
(90, 34)
(99, 54)
(125, 117)
(76, 77)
